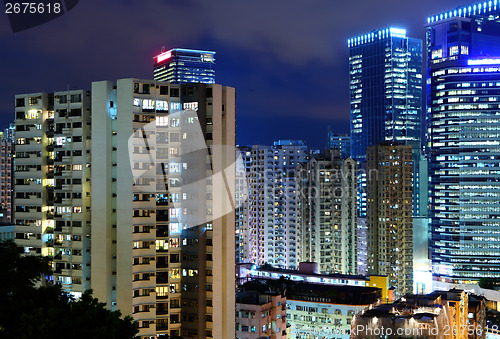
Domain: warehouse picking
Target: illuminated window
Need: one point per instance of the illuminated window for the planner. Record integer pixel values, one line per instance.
(175, 273)
(174, 151)
(174, 168)
(162, 121)
(77, 167)
(161, 291)
(174, 227)
(137, 102)
(175, 212)
(174, 122)
(174, 243)
(453, 50)
(465, 50)
(437, 54)
(148, 104)
(191, 106)
(161, 245)
(175, 106)
(161, 105)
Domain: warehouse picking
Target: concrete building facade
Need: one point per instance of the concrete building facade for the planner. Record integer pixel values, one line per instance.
(52, 191)
(271, 229)
(6, 178)
(260, 315)
(327, 213)
(390, 220)
(163, 213)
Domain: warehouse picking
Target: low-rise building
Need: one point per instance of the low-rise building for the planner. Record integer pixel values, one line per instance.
(308, 273)
(260, 315)
(452, 314)
(7, 231)
(322, 311)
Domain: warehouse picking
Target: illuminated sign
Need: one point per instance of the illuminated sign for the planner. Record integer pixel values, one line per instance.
(484, 62)
(163, 57)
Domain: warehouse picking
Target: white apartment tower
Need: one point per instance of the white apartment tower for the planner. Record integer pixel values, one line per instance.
(327, 212)
(163, 222)
(52, 182)
(269, 234)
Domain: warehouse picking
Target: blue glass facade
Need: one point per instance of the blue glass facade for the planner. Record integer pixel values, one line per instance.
(385, 73)
(385, 90)
(341, 142)
(180, 66)
(463, 120)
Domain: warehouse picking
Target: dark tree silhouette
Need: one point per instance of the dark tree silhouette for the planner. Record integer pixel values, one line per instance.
(30, 308)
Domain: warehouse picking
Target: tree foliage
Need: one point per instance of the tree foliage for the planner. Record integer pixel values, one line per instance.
(45, 311)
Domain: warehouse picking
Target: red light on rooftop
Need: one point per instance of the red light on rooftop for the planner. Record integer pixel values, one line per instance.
(163, 56)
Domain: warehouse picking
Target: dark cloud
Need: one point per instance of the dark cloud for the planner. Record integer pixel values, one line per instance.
(287, 59)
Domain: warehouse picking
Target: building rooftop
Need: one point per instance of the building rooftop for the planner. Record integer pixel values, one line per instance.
(480, 8)
(334, 294)
(302, 273)
(255, 297)
(377, 35)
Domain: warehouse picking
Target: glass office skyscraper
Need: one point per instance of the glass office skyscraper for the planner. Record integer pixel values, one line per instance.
(463, 57)
(341, 142)
(385, 89)
(181, 66)
(385, 73)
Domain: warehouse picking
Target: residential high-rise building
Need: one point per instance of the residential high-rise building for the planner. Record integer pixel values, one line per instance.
(163, 226)
(342, 142)
(390, 218)
(244, 234)
(463, 58)
(52, 182)
(6, 178)
(272, 224)
(327, 213)
(181, 66)
(385, 68)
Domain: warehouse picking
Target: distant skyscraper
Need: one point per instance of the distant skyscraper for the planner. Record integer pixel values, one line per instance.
(9, 133)
(342, 142)
(181, 66)
(163, 227)
(327, 213)
(269, 234)
(385, 70)
(390, 221)
(52, 182)
(463, 58)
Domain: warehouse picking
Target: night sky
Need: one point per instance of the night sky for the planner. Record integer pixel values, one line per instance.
(288, 60)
